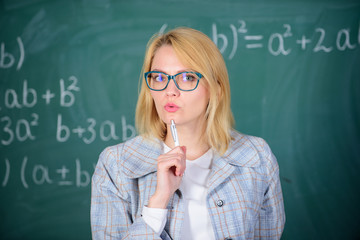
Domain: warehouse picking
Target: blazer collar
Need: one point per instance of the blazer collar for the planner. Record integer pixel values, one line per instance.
(243, 151)
(139, 155)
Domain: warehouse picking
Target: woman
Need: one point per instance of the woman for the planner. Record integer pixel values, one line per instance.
(219, 184)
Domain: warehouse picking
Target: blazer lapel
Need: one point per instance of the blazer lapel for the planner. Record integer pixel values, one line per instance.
(241, 153)
(220, 170)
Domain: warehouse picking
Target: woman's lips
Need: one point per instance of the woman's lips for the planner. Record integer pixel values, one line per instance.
(170, 107)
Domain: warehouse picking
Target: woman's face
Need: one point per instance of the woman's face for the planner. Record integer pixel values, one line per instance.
(185, 108)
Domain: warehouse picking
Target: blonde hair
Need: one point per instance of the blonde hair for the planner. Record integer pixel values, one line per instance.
(197, 50)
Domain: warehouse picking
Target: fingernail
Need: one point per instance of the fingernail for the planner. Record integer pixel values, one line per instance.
(183, 148)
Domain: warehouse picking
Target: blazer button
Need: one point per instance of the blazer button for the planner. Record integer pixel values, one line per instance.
(219, 203)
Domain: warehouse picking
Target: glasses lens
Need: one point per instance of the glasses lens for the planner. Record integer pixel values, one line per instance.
(187, 80)
(156, 81)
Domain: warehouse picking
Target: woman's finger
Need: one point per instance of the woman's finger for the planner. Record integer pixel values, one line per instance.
(176, 161)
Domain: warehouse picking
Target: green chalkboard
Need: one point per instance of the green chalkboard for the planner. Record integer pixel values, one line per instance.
(69, 73)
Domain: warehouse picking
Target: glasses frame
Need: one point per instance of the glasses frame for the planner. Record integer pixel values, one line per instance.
(169, 77)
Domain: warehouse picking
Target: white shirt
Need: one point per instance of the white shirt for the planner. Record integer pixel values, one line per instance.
(197, 223)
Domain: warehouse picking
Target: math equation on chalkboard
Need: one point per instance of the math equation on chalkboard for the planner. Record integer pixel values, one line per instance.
(31, 173)
(282, 42)
(20, 130)
(239, 35)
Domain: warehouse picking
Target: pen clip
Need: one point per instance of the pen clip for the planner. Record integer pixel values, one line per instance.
(174, 133)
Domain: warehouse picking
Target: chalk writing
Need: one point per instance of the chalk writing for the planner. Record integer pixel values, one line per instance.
(89, 132)
(29, 99)
(254, 38)
(20, 131)
(343, 40)
(303, 42)
(63, 171)
(279, 43)
(7, 60)
(67, 92)
(7, 173)
(319, 45)
(47, 96)
(280, 46)
(41, 174)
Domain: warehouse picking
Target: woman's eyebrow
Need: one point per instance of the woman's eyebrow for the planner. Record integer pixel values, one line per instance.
(180, 71)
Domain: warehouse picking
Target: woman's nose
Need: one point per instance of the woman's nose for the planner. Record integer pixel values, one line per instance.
(171, 89)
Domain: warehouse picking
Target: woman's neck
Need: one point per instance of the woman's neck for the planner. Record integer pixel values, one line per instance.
(192, 137)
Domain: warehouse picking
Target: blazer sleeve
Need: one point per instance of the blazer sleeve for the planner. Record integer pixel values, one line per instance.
(111, 205)
(272, 213)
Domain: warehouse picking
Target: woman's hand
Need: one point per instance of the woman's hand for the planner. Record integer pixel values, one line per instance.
(170, 169)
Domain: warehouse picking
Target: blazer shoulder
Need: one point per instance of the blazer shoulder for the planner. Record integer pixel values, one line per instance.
(135, 157)
(248, 151)
(136, 143)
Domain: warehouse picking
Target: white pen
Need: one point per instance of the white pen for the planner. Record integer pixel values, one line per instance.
(174, 133)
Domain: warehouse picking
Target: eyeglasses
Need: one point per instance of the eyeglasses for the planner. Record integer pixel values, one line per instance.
(184, 81)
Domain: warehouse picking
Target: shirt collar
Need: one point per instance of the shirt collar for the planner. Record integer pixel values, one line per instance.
(204, 161)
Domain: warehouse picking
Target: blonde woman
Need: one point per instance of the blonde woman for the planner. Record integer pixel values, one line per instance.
(218, 184)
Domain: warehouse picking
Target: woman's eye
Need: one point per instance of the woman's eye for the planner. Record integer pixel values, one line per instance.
(158, 78)
(189, 78)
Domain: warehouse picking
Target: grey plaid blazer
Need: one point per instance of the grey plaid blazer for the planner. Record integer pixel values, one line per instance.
(244, 198)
